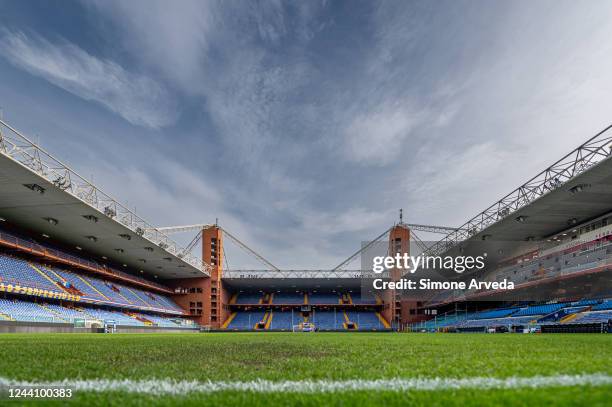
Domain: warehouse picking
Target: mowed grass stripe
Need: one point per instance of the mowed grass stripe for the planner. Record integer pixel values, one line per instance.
(174, 388)
(277, 357)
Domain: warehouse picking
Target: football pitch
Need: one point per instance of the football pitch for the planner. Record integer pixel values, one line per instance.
(264, 369)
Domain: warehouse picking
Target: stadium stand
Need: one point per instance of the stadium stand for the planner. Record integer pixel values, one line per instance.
(538, 310)
(288, 298)
(591, 317)
(17, 271)
(323, 299)
(246, 320)
(603, 306)
(328, 320)
(498, 313)
(248, 298)
(284, 320)
(358, 300)
(17, 310)
(365, 320)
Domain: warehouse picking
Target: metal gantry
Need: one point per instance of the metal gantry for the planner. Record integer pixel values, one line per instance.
(430, 228)
(320, 274)
(201, 226)
(20, 149)
(593, 151)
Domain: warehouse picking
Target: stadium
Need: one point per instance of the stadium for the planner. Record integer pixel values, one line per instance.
(76, 261)
(305, 175)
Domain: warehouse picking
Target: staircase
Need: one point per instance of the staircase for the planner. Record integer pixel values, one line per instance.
(383, 320)
(269, 321)
(348, 325)
(267, 318)
(92, 287)
(231, 317)
(57, 282)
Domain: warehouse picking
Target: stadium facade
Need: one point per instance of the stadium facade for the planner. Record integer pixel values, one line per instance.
(74, 258)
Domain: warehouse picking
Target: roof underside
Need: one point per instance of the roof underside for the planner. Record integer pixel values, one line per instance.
(549, 215)
(290, 284)
(29, 210)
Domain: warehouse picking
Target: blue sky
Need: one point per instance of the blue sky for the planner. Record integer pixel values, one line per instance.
(304, 126)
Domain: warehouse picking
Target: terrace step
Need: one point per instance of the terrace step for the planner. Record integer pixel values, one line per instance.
(269, 321)
(230, 318)
(92, 287)
(383, 320)
(45, 275)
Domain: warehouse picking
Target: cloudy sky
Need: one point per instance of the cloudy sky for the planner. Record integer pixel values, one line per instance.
(304, 126)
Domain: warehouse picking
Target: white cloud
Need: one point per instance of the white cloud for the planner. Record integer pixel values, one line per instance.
(375, 137)
(173, 38)
(138, 99)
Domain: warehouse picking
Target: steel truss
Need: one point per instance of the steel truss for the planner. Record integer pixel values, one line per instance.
(254, 274)
(593, 151)
(20, 149)
(429, 228)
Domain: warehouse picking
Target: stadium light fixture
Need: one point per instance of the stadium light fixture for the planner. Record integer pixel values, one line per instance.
(119, 250)
(2, 220)
(578, 188)
(521, 219)
(124, 265)
(104, 258)
(149, 249)
(572, 221)
(52, 221)
(35, 188)
(91, 218)
(78, 248)
(92, 238)
(46, 236)
(125, 236)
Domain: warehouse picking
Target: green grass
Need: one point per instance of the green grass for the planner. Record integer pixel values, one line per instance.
(277, 356)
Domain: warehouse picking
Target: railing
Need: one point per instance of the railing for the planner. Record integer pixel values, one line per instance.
(32, 318)
(353, 274)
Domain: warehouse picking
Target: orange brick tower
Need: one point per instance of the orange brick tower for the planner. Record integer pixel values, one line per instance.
(217, 297)
(205, 298)
(399, 242)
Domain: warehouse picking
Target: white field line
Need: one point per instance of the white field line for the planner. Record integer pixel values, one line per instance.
(173, 387)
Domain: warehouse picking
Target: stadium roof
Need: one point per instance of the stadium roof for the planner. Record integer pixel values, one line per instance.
(42, 195)
(574, 190)
(284, 280)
